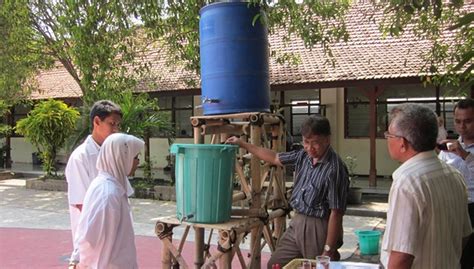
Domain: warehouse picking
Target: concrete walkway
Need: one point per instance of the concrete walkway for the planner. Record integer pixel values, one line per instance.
(36, 224)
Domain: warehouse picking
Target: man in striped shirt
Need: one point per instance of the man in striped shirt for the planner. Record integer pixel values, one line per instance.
(460, 155)
(427, 218)
(319, 194)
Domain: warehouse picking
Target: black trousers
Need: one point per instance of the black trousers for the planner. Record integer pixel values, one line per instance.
(467, 258)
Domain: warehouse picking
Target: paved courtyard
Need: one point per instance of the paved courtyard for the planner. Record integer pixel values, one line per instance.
(34, 229)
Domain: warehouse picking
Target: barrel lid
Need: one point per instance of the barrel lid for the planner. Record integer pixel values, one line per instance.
(175, 147)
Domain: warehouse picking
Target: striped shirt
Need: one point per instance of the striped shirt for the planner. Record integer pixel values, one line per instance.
(317, 188)
(466, 167)
(427, 213)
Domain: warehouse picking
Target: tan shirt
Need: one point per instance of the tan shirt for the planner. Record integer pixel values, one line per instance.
(427, 215)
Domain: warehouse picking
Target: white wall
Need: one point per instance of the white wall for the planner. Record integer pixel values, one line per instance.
(357, 147)
(159, 149)
(21, 150)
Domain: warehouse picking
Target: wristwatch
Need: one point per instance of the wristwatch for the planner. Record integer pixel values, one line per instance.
(327, 248)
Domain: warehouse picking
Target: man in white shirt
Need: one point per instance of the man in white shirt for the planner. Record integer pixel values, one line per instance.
(105, 236)
(105, 117)
(427, 218)
(460, 154)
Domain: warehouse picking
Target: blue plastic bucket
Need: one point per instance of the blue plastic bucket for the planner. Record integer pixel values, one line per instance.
(368, 241)
(234, 59)
(204, 174)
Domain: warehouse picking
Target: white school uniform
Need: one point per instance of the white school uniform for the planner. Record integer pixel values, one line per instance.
(105, 236)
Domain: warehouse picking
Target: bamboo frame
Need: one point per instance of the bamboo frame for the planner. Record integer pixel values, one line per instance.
(255, 127)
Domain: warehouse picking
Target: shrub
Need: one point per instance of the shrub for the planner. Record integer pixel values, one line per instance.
(47, 127)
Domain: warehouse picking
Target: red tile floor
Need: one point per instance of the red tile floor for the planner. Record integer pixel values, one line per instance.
(22, 248)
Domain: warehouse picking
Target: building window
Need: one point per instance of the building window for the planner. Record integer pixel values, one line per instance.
(295, 106)
(178, 110)
(300, 110)
(357, 113)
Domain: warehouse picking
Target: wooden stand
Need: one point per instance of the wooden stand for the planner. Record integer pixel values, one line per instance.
(266, 205)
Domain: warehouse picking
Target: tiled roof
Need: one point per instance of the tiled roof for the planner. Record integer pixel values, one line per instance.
(56, 83)
(366, 56)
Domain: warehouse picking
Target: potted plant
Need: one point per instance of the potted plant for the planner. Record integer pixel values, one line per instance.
(354, 196)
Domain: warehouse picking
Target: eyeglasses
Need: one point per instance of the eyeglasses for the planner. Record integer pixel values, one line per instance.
(388, 135)
(113, 124)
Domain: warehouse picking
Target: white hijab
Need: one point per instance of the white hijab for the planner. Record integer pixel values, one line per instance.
(116, 156)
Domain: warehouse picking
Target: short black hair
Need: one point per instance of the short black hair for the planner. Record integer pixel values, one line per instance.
(103, 109)
(464, 104)
(315, 125)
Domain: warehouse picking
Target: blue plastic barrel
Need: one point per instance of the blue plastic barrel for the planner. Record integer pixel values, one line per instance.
(204, 175)
(234, 59)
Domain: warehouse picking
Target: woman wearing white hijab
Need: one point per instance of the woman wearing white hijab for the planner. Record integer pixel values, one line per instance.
(105, 234)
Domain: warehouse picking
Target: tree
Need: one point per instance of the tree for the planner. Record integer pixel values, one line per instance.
(98, 42)
(322, 23)
(21, 53)
(5, 131)
(47, 127)
(95, 41)
(450, 57)
(316, 22)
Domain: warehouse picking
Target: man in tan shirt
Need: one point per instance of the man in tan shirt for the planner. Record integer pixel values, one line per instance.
(427, 219)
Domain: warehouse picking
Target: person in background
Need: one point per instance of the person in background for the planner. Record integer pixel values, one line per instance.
(105, 117)
(427, 217)
(442, 133)
(460, 155)
(105, 236)
(319, 194)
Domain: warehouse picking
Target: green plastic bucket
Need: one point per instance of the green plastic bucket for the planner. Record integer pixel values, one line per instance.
(368, 241)
(204, 175)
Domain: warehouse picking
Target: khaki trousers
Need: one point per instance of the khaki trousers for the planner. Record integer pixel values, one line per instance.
(304, 238)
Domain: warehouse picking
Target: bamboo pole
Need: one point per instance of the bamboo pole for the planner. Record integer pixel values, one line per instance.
(229, 129)
(252, 116)
(255, 251)
(236, 250)
(255, 134)
(225, 262)
(165, 256)
(199, 251)
(199, 232)
(206, 121)
(243, 180)
(270, 187)
(245, 115)
(198, 137)
(279, 190)
(264, 177)
(267, 233)
(239, 196)
(168, 243)
(160, 229)
(276, 213)
(252, 213)
(183, 238)
(214, 139)
(207, 254)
